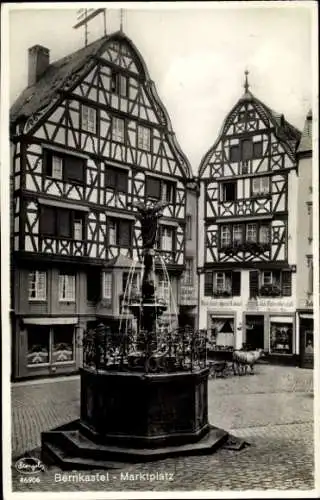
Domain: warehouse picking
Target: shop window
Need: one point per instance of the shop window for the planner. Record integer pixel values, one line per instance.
(281, 338)
(37, 286)
(222, 333)
(38, 345)
(63, 344)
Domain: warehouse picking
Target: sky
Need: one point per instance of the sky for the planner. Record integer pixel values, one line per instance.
(195, 53)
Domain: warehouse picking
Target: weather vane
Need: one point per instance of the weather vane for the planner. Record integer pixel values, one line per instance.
(246, 83)
(85, 16)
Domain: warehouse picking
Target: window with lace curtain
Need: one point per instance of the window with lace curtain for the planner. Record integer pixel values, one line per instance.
(67, 288)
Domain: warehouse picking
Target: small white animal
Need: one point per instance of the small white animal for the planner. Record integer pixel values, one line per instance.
(243, 359)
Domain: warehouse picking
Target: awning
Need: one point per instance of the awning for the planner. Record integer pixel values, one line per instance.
(50, 321)
(62, 204)
(281, 319)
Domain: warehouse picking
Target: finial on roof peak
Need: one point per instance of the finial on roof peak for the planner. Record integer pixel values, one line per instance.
(121, 20)
(246, 83)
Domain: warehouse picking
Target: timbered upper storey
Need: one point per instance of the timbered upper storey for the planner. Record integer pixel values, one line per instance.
(244, 179)
(93, 134)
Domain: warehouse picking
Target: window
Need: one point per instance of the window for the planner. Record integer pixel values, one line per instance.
(260, 185)
(38, 345)
(68, 168)
(252, 232)
(93, 285)
(118, 129)
(106, 285)
(229, 190)
(153, 188)
(267, 278)
(144, 138)
(247, 149)
(237, 233)
(89, 119)
(225, 236)
(61, 223)
(163, 290)
(166, 238)
(56, 167)
(131, 283)
(234, 153)
(117, 179)
(222, 283)
(119, 232)
(119, 84)
(168, 191)
(67, 287)
(264, 234)
(189, 227)
(63, 344)
(157, 189)
(257, 149)
(38, 285)
(187, 277)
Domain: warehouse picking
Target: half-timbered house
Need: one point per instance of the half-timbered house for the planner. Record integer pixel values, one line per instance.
(248, 230)
(90, 138)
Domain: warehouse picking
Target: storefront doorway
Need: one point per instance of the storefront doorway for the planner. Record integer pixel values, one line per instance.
(254, 334)
(306, 341)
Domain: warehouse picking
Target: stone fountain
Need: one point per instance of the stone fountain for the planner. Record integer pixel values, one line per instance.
(142, 397)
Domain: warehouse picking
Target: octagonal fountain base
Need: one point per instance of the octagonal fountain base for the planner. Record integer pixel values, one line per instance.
(135, 417)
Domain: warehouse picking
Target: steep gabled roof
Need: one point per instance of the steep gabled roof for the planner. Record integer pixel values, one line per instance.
(285, 131)
(61, 74)
(305, 144)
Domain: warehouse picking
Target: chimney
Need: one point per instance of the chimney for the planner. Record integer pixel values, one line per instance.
(38, 63)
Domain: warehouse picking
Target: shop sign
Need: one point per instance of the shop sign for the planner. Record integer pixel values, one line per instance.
(208, 301)
(270, 305)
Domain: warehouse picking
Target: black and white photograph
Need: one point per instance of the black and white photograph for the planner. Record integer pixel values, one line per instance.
(160, 249)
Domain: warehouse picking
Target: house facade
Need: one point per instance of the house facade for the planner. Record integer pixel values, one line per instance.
(89, 139)
(304, 319)
(248, 231)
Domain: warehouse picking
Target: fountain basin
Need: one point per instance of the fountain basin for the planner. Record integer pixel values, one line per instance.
(144, 409)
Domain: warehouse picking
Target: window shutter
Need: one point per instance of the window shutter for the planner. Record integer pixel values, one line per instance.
(64, 226)
(47, 221)
(125, 233)
(236, 283)
(253, 284)
(74, 169)
(247, 149)
(111, 177)
(153, 188)
(234, 153)
(122, 184)
(208, 283)
(286, 283)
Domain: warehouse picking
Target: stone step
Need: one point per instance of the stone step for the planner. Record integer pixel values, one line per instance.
(53, 454)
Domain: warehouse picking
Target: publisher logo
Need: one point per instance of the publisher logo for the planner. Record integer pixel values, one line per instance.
(29, 465)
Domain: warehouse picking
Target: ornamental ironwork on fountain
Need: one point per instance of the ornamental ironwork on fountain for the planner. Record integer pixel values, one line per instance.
(146, 348)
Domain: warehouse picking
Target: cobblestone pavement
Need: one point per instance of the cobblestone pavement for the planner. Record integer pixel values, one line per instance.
(272, 410)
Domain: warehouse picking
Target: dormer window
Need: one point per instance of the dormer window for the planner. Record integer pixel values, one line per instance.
(89, 119)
